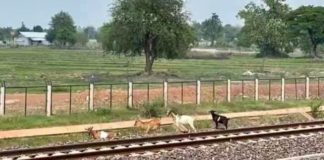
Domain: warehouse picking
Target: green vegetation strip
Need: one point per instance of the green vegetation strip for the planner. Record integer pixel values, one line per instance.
(28, 66)
(154, 110)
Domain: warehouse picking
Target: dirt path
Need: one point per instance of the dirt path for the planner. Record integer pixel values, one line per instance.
(129, 124)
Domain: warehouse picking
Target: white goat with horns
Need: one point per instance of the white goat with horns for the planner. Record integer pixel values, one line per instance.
(182, 120)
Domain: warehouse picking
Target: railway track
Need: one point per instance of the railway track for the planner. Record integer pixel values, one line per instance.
(142, 145)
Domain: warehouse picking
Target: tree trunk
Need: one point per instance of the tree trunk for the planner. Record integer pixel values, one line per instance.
(150, 52)
(314, 50)
(315, 55)
(212, 42)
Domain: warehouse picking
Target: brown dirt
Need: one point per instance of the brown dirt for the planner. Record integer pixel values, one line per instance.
(79, 100)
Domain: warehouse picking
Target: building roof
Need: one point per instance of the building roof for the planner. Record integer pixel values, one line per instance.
(34, 35)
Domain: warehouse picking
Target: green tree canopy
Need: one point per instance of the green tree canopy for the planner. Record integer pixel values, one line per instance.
(81, 37)
(91, 32)
(159, 28)
(23, 28)
(62, 30)
(38, 28)
(265, 27)
(212, 28)
(198, 29)
(5, 34)
(307, 25)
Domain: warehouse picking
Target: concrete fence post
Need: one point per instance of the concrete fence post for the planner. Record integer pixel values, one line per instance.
(49, 100)
(256, 89)
(91, 96)
(165, 93)
(2, 99)
(307, 88)
(198, 92)
(130, 94)
(228, 90)
(283, 89)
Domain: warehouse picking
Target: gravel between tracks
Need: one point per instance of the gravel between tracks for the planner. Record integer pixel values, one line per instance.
(256, 150)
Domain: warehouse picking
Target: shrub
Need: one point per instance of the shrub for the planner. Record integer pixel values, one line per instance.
(315, 107)
(155, 109)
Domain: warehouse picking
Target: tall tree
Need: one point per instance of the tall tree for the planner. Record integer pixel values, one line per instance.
(5, 33)
(62, 30)
(38, 28)
(91, 32)
(23, 28)
(158, 28)
(211, 28)
(306, 24)
(198, 29)
(81, 37)
(230, 33)
(265, 27)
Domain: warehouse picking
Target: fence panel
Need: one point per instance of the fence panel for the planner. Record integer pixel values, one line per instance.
(120, 95)
(67, 99)
(314, 87)
(220, 91)
(264, 90)
(248, 89)
(320, 84)
(79, 98)
(237, 90)
(208, 91)
(141, 93)
(61, 100)
(295, 88)
(275, 89)
(15, 101)
(103, 96)
(25, 101)
(147, 93)
(182, 92)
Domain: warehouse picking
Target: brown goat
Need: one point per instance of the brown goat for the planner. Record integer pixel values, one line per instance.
(101, 134)
(148, 126)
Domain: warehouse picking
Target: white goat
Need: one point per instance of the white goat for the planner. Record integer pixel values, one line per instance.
(182, 120)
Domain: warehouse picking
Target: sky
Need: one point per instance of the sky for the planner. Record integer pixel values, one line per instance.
(96, 12)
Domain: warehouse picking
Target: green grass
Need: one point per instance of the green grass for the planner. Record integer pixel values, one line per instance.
(128, 133)
(106, 116)
(42, 140)
(25, 66)
(100, 116)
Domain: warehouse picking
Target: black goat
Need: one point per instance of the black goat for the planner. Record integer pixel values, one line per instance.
(219, 119)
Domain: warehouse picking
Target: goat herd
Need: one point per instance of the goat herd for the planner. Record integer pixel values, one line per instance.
(180, 122)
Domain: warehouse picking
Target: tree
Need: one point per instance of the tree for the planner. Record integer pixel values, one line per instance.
(81, 37)
(91, 32)
(306, 24)
(62, 30)
(230, 33)
(5, 34)
(38, 28)
(228, 36)
(198, 29)
(266, 27)
(158, 28)
(23, 28)
(211, 28)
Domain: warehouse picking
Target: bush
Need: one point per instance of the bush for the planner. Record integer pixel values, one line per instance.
(155, 109)
(315, 107)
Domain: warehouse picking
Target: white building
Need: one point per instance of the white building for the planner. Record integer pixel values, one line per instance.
(31, 38)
